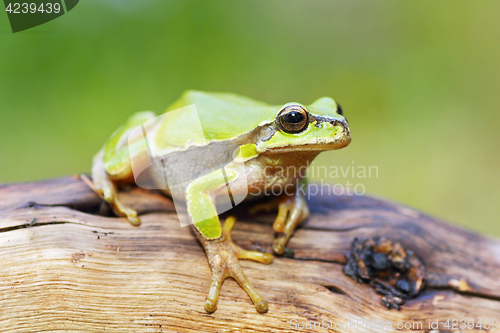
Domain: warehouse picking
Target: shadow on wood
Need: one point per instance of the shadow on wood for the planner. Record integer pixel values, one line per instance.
(65, 266)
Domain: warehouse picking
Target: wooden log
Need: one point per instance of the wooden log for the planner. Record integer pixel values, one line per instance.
(67, 264)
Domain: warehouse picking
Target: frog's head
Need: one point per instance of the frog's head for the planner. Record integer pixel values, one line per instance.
(317, 127)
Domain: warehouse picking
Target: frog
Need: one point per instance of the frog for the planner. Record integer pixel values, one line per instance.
(267, 140)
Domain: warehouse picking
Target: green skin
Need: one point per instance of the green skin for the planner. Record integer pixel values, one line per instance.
(232, 125)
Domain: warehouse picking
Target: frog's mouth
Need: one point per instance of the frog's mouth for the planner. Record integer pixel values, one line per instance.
(311, 146)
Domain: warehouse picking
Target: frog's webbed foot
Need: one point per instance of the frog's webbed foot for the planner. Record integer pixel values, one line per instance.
(292, 211)
(223, 257)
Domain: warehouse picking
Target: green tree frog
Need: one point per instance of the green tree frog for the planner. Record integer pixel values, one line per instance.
(271, 142)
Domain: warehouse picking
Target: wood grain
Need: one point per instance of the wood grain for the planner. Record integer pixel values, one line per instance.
(68, 265)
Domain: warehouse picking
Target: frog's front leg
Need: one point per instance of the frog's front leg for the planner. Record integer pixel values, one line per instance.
(292, 211)
(222, 253)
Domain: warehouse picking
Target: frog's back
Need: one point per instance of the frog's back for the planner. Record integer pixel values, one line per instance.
(200, 132)
(215, 117)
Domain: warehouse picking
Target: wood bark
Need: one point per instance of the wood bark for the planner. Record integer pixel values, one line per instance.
(68, 264)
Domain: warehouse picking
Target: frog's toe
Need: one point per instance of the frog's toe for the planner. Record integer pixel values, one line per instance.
(133, 218)
(122, 210)
(279, 245)
(211, 304)
(284, 209)
(261, 307)
(240, 253)
(263, 258)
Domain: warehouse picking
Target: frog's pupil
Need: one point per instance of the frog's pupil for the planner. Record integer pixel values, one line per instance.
(293, 117)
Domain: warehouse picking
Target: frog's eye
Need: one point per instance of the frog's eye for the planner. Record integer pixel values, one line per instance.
(293, 119)
(339, 110)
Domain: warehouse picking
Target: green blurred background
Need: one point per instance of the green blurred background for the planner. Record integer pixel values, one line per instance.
(418, 81)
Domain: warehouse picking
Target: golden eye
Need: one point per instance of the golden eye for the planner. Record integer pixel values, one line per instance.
(293, 119)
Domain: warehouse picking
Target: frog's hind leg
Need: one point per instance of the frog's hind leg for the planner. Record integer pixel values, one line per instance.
(223, 257)
(106, 189)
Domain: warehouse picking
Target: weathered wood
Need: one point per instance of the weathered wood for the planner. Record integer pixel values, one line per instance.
(65, 267)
